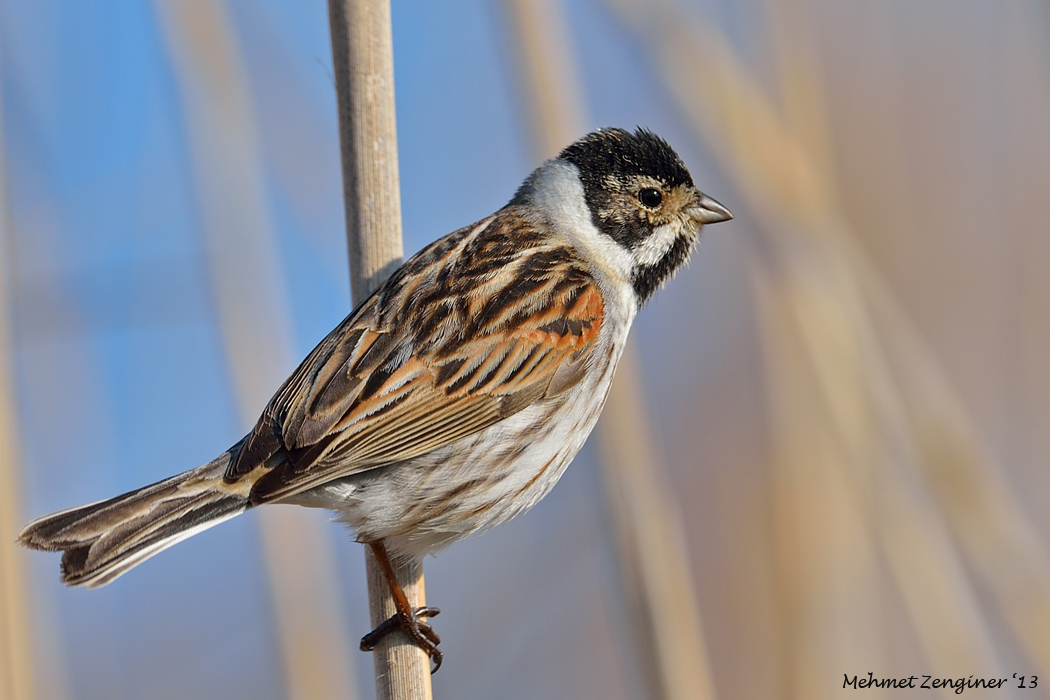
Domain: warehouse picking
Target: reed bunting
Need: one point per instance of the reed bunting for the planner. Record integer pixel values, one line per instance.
(455, 396)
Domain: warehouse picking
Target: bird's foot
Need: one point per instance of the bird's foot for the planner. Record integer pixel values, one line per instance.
(415, 627)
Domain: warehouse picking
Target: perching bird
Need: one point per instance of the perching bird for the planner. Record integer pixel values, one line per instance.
(456, 395)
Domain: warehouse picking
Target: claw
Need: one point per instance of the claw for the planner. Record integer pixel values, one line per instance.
(415, 628)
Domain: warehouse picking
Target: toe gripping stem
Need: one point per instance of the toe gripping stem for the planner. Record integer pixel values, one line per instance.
(412, 622)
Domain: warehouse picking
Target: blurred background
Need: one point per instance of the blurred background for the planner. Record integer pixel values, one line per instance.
(844, 400)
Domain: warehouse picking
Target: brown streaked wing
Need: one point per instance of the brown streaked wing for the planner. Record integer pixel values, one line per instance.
(463, 336)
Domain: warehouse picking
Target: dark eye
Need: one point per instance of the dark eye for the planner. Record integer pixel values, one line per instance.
(650, 197)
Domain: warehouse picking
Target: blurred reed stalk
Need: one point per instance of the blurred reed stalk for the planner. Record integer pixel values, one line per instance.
(831, 580)
(839, 482)
(248, 287)
(899, 444)
(363, 59)
(650, 541)
(16, 640)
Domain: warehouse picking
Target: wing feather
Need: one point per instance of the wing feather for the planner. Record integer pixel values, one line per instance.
(469, 331)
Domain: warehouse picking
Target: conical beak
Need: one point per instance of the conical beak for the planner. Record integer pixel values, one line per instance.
(708, 211)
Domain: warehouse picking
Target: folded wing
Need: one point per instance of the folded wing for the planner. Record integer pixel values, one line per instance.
(470, 331)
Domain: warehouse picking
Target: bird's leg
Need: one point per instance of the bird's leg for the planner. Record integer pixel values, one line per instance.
(409, 621)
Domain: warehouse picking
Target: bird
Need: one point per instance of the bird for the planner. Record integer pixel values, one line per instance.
(454, 397)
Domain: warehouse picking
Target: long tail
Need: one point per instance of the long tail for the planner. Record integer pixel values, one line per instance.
(101, 541)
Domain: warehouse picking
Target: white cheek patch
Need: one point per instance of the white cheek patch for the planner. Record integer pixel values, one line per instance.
(558, 191)
(653, 249)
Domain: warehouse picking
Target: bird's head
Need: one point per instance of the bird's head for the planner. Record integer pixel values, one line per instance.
(640, 194)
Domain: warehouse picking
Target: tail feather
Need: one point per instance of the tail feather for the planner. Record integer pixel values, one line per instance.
(100, 541)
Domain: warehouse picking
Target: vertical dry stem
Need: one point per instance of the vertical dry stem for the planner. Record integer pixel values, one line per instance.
(16, 662)
(363, 59)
